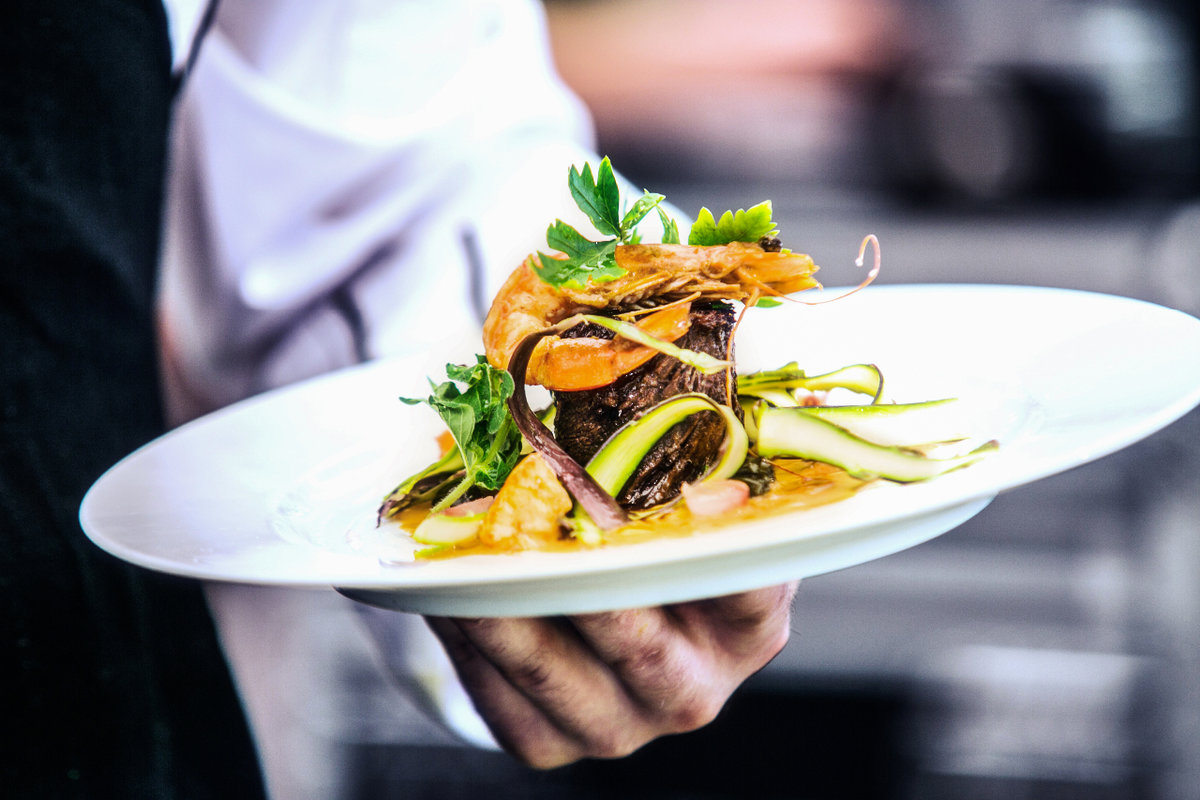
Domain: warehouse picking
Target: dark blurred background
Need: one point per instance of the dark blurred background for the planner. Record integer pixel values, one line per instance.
(1050, 648)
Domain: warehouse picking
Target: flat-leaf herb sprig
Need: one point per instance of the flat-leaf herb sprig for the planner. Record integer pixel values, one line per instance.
(599, 197)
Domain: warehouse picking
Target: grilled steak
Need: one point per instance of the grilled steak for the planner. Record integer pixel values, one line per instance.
(586, 419)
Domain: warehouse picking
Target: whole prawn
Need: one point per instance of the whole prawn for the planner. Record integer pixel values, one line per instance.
(669, 275)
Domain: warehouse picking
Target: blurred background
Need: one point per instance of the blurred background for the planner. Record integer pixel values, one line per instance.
(1050, 648)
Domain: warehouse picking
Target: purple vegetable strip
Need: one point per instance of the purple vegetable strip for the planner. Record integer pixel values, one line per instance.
(599, 504)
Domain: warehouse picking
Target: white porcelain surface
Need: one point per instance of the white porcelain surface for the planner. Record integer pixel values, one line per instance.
(282, 489)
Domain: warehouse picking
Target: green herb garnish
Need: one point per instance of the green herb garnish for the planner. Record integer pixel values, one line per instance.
(478, 419)
(597, 196)
(744, 225)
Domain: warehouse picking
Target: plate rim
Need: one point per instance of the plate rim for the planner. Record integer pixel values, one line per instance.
(1149, 424)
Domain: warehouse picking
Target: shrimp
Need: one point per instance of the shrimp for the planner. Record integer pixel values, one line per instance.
(736, 271)
(667, 274)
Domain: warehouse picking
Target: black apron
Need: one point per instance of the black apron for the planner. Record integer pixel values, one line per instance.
(112, 684)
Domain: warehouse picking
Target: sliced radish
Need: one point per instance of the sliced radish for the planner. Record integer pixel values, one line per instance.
(712, 497)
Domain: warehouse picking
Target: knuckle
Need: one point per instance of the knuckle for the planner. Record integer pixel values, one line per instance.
(651, 663)
(621, 624)
(532, 674)
(540, 752)
(756, 648)
(755, 610)
(700, 710)
(615, 741)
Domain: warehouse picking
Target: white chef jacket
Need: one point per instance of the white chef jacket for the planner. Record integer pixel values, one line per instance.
(348, 180)
(352, 180)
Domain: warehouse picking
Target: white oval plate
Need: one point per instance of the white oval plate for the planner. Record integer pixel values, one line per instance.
(282, 488)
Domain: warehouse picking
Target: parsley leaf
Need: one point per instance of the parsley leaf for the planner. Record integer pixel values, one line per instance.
(598, 196)
(643, 206)
(477, 416)
(585, 260)
(746, 225)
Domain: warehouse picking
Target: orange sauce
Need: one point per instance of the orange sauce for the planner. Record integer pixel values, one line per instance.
(799, 484)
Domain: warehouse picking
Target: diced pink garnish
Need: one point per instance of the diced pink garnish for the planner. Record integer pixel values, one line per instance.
(715, 497)
(477, 506)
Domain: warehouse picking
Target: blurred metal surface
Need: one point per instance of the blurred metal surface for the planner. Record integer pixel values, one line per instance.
(1043, 96)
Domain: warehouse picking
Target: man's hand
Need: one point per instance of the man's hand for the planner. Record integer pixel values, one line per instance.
(557, 689)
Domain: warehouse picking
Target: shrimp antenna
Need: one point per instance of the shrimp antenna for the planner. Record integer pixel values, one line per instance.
(872, 240)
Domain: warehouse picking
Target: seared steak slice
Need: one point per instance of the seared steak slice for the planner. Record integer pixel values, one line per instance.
(586, 419)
